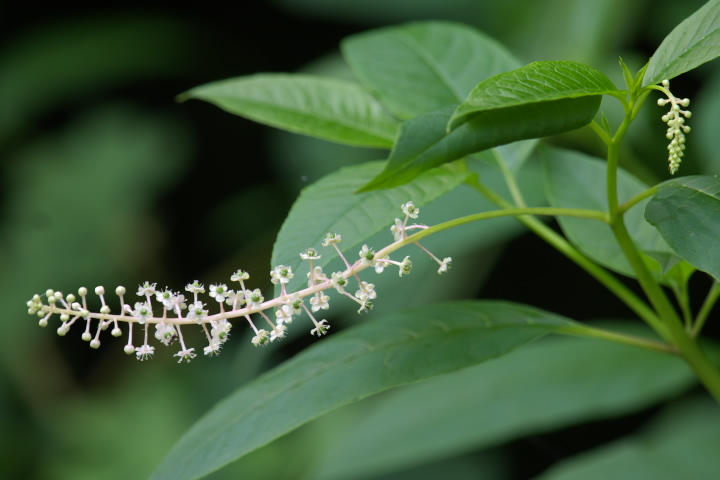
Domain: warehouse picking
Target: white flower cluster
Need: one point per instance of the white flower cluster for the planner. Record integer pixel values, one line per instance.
(175, 311)
(677, 129)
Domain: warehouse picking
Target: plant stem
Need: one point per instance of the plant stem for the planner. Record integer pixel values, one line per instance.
(670, 326)
(705, 310)
(563, 246)
(587, 331)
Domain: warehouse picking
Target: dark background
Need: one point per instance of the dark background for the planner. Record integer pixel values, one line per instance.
(108, 180)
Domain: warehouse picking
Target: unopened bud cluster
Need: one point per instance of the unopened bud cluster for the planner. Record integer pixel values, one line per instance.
(177, 310)
(677, 129)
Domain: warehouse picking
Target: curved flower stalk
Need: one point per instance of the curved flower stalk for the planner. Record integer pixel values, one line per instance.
(169, 311)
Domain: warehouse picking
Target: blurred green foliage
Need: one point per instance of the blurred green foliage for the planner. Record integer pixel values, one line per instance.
(106, 181)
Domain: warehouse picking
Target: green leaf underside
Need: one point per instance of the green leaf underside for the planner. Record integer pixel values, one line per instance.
(538, 82)
(693, 42)
(330, 109)
(682, 443)
(421, 67)
(686, 211)
(575, 180)
(424, 142)
(372, 357)
(517, 395)
(329, 205)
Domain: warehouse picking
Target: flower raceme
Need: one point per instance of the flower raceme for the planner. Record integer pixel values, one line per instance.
(675, 120)
(177, 311)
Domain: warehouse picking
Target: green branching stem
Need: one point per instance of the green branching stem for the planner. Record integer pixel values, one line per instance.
(670, 326)
(563, 246)
(650, 192)
(705, 310)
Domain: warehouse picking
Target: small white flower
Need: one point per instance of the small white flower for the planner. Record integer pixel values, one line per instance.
(212, 349)
(165, 333)
(195, 287)
(235, 299)
(367, 256)
(410, 210)
(398, 230)
(254, 298)
(197, 311)
(445, 265)
(321, 328)
(145, 352)
(380, 264)
(166, 298)
(284, 314)
(295, 304)
(310, 254)
(339, 281)
(146, 289)
(315, 275)
(261, 338)
(278, 332)
(142, 312)
(219, 292)
(405, 266)
(281, 274)
(331, 239)
(221, 330)
(319, 301)
(239, 276)
(366, 292)
(186, 354)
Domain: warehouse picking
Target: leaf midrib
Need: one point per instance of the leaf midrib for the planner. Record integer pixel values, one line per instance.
(242, 415)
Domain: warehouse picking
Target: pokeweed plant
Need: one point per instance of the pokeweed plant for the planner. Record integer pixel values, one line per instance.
(445, 100)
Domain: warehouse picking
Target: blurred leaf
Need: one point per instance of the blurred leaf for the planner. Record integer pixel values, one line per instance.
(545, 386)
(531, 93)
(327, 108)
(686, 211)
(693, 42)
(575, 180)
(682, 443)
(380, 354)
(419, 67)
(330, 205)
(58, 64)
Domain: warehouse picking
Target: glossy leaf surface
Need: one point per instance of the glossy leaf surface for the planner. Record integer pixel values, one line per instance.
(421, 67)
(686, 212)
(693, 42)
(326, 108)
(379, 354)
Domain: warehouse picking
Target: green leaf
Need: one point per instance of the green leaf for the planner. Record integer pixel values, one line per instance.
(682, 443)
(534, 390)
(693, 42)
(425, 143)
(535, 90)
(377, 355)
(326, 108)
(330, 205)
(421, 67)
(686, 212)
(574, 180)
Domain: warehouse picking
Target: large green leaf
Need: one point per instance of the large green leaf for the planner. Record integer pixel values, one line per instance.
(575, 180)
(330, 205)
(425, 143)
(352, 365)
(420, 67)
(694, 41)
(327, 108)
(533, 390)
(682, 443)
(533, 89)
(686, 211)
